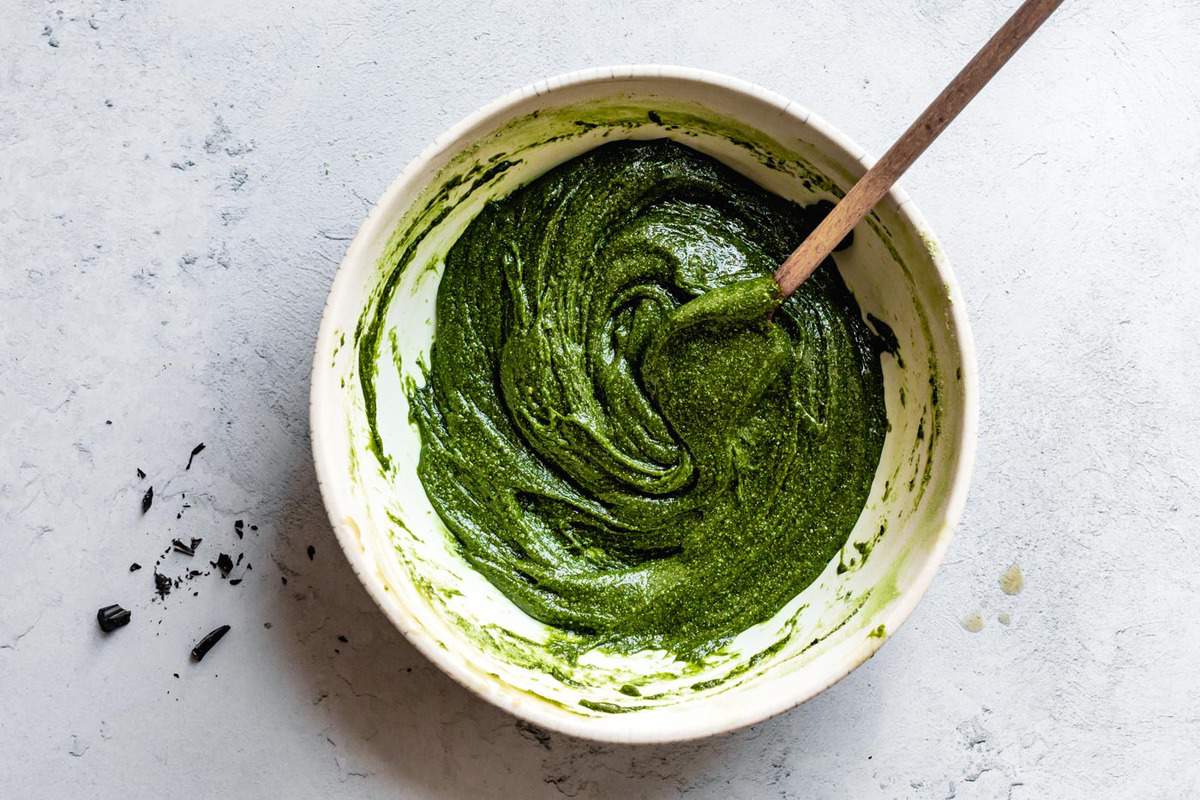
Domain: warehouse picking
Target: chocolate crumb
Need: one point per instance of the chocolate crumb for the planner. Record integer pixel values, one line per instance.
(162, 584)
(267, 625)
(108, 422)
(237, 527)
(195, 452)
(204, 645)
(343, 639)
(235, 581)
(112, 617)
(176, 674)
(253, 527)
(141, 474)
(284, 579)
(312, 551)
(134, 567)
(239, 558)
(147, 499)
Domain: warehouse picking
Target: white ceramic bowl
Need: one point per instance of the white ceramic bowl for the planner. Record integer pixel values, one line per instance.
(408, 561)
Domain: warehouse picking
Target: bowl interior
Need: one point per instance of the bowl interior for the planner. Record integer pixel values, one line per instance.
(410, 562)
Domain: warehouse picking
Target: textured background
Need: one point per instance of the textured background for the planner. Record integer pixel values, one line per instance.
(177, 184)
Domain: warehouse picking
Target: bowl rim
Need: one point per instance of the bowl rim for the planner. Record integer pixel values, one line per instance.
(338, 504)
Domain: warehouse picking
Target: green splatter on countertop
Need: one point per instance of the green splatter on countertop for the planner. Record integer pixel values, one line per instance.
(625, 430)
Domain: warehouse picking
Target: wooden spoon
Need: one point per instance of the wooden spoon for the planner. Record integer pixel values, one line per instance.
(872, 186)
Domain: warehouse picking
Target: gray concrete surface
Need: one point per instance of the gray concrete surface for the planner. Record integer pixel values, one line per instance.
(177, 184)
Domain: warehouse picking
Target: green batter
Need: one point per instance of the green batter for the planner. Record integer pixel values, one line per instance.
(622, 426)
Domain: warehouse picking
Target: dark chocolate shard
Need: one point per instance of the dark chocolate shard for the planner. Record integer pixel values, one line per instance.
(224, 563)
(204, 645)
(134, 567)
(141, 474)
(195, 452)
(147, 499)
(112, 617)
(180, 547)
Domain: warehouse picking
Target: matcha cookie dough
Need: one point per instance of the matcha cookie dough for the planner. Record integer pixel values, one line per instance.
(625, 430)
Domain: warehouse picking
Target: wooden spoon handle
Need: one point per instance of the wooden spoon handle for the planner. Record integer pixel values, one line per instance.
(872, 186)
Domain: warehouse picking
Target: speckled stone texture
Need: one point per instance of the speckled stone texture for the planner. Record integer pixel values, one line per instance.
(178, 182)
